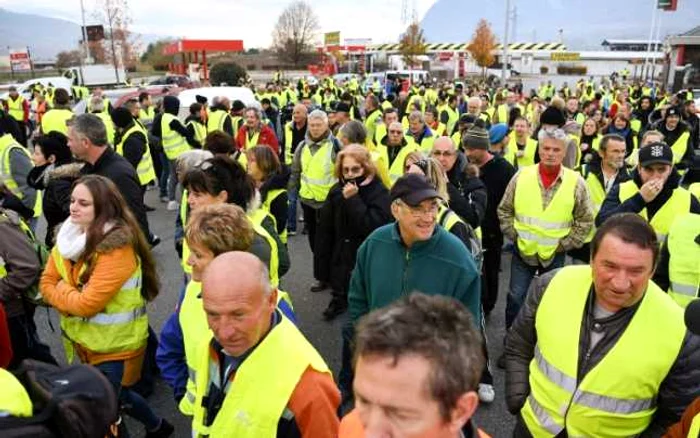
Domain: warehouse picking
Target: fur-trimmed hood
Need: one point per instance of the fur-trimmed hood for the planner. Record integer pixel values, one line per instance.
(66, 171)
(115, 238)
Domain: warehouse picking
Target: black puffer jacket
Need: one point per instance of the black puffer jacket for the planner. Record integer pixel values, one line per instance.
(278, 207)
(344, 225)
(679, 388)
(56, 182)
(468, 197)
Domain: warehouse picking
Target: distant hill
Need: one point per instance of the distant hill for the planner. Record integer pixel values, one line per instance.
(44, 36)
(585, 23)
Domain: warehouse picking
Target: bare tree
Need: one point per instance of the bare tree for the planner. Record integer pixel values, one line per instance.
(295, 32)
(67, 58)
(122, 44)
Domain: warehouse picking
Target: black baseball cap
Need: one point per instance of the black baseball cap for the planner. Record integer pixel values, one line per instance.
(342, 107)
(655, 153)
(413, 189)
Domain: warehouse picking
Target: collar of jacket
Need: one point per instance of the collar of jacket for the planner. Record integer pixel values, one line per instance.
(105, 157)
(595, 167)
(385, 142)
(326, 137)
(455, 174)
(420, 246)
(426, 133)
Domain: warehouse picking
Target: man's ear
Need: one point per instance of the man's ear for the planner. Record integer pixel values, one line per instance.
(464, 410)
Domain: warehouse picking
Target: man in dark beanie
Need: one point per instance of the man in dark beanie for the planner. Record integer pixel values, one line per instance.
(495, 172)
(553, 118)
(677, 135)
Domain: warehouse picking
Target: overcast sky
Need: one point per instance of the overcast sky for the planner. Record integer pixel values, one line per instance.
(249, 20)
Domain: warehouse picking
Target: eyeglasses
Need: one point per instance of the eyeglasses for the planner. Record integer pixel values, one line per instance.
(438, 154)
(353, 169)
(418, 212)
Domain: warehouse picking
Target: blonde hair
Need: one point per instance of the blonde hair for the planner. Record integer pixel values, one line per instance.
(358, 153)
(220, 228)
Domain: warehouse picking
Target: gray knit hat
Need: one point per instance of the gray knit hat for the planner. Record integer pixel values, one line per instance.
(476, 138)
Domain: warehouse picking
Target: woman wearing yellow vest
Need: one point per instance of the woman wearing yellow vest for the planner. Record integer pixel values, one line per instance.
(99, 276)
(271, 179)
(220, 180)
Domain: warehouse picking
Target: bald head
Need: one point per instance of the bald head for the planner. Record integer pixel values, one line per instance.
(299, 114)
(238, 300)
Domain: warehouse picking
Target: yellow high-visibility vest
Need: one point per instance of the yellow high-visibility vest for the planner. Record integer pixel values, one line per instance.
(55, 120)
(684, 260)
(601, 404)
(15, 107)
(396, 169)
(174, 144)
(317, 172)
(14, 398)
(678, 204)
(244, 414)
(271, 196)
(120, 327)
(216, 120)
(528, 158)
(145, 169)
(540, 230)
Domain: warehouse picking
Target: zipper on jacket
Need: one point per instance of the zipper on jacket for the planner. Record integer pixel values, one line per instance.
(405, 272)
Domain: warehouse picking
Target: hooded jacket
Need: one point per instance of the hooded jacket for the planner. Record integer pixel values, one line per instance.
(670, 138)
(135, 146)
(636, 203)
(21, 263)
(171, 105)
(278, 208)
(468, 197)
(56, 182)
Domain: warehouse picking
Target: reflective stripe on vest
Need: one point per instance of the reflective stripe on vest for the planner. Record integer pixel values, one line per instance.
(317, 172)
(145, 169)
(174, 144)
(243, 414)
(55, 120)
(16, 108)
(684, 259)
(271, 196)
(540, 230)
(601, 404)
(677, 205)
(120, 327)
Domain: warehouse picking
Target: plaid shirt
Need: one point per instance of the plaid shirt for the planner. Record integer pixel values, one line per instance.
(580, 226)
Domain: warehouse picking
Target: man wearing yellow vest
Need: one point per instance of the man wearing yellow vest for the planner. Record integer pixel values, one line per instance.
(450, 115)
(106, 104)
(373, 115)
(176, 140)
(55, 119)
(653, 192)
(219, 117)
(15, 165)
(419, 133)
(313, 175)
(257, 376)
(256, 132)
(132, 144)
(389, 116)
(97, 105)
(604, 172)
(600, 350)
(678, 270)
(520, 143)
(393, 150)
(677, 135)
(18, 108)
(147, 112)
(545, 211)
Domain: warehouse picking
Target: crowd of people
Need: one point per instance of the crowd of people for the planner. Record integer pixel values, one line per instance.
(410, 195)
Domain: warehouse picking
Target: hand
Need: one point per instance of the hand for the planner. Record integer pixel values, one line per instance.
(584, 146)
(651, 189)
(350, 190)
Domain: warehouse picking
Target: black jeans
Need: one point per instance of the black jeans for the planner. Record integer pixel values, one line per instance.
(311, 219)
(25, 341)
(490, 272)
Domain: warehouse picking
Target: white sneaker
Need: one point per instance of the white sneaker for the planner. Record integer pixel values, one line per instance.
(172, 206)
(486, 393)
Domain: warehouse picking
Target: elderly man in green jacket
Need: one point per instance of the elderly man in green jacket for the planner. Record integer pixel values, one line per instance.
(413, 254)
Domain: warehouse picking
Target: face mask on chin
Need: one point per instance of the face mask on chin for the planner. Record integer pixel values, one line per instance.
(356, 180)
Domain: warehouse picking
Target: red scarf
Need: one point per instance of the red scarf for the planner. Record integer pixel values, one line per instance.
(549, 176)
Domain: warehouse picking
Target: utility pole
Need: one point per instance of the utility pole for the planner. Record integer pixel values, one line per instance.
(645, 69)
(85, 51)
(655, 46)
(504, 61)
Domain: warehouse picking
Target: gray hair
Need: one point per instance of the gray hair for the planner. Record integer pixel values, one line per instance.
(265, 284)
(190, 159)
(320, 115)
(416, 116)
(97, 104)
(557, 134)
(354, 132)
(90, 127)
(257, 112)
(474, 100)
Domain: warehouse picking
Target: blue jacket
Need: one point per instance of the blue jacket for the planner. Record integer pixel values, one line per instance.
(170, 355)
(386, 270)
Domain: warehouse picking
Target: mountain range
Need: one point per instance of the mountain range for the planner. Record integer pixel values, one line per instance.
(584, 23)
(45, 36)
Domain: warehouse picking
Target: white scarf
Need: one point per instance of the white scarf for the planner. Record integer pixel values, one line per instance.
(71, 240)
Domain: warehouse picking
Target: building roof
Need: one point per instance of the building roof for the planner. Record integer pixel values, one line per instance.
(689, 38)
(628, 42)
(462, 47)
(692, 32)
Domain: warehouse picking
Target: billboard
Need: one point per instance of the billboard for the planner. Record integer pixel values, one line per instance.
(20, 60)
(331, 39)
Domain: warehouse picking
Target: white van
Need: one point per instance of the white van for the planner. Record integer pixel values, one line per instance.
(413, 76)
(188, 97)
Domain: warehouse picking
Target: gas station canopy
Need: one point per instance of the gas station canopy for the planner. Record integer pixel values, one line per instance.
(193, 47)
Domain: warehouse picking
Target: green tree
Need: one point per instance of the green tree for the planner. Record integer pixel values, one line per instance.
(154, 57)
(412, 45)
(226, 72)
